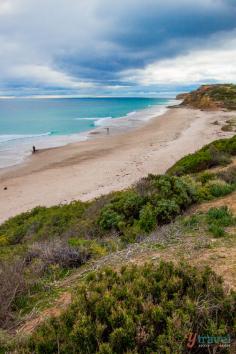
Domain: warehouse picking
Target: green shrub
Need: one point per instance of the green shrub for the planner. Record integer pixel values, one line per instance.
(132, 233)
(219, 189)
(123, 206)
(147, 218)
(109, 218)
(203, 193)
(154, 198)
(214, 154)
(217, 230)
(148, 309)
(42, 222)
(221, 216)
(167, 210)
(128, 203)
(163, 187)
(205, 177)
(218, 219)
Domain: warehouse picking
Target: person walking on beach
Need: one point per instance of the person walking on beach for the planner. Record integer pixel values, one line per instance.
(33, 149)
(108, 131)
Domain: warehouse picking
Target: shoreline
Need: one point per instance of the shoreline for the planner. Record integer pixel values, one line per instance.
(17, 148)
(86, 170)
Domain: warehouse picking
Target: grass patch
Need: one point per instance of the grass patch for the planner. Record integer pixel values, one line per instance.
(216, 230)
(218, 190)
(214, 221)
(221, 216)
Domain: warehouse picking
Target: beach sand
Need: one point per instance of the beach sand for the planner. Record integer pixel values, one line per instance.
(86, 170)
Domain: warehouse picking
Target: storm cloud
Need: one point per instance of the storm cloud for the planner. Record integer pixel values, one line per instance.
(114, 47)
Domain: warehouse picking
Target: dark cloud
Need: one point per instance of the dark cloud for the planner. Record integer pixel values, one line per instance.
(95, 40)
(141, 32)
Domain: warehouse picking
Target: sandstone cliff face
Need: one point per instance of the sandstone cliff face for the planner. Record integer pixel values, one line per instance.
(211, 97)
(182, 96)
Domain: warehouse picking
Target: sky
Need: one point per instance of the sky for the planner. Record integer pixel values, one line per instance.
(146, 48)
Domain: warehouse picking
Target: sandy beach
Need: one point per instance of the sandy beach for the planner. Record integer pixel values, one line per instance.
(86, 170)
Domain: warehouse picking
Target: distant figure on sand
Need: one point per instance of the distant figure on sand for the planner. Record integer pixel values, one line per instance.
(33, 149)
(108, 131)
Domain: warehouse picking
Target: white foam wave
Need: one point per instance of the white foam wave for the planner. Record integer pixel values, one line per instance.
(10, 137)
(94, 118)
(85, 118)
(102, 121)
(131, 114)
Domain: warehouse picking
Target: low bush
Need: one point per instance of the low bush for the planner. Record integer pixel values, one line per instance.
(217, 190)
(167, 210)
(214, 154)
(229, 175)
(12, 285)
(217, 230)
(148, 309)
(148, 218)
(160, 198)
(42, 222)
(57, 253)
(205, 177)
(221, 216)
(218, 219)
(215, 221)
(109, 219)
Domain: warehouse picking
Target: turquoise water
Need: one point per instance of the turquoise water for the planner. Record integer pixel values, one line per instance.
(64, 116)
(53, 122)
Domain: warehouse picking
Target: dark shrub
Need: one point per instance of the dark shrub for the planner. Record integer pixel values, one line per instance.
(229, 175)
(57, 253)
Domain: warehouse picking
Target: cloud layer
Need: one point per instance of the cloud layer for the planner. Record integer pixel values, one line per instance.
(114, 47)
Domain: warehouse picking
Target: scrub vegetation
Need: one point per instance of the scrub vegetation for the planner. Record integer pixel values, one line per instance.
(137, 309)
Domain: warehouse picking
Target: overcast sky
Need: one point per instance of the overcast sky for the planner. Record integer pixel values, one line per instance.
(115, 47)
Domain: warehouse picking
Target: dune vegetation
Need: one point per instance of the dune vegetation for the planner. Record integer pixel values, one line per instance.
(139, 310)
(136, 309)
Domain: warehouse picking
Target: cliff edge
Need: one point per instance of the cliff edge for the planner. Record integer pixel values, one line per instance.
(211, 97)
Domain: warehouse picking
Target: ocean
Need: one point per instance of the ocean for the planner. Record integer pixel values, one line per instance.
(54, 122)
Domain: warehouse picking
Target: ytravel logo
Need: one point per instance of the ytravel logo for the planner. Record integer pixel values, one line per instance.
(201, 341)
